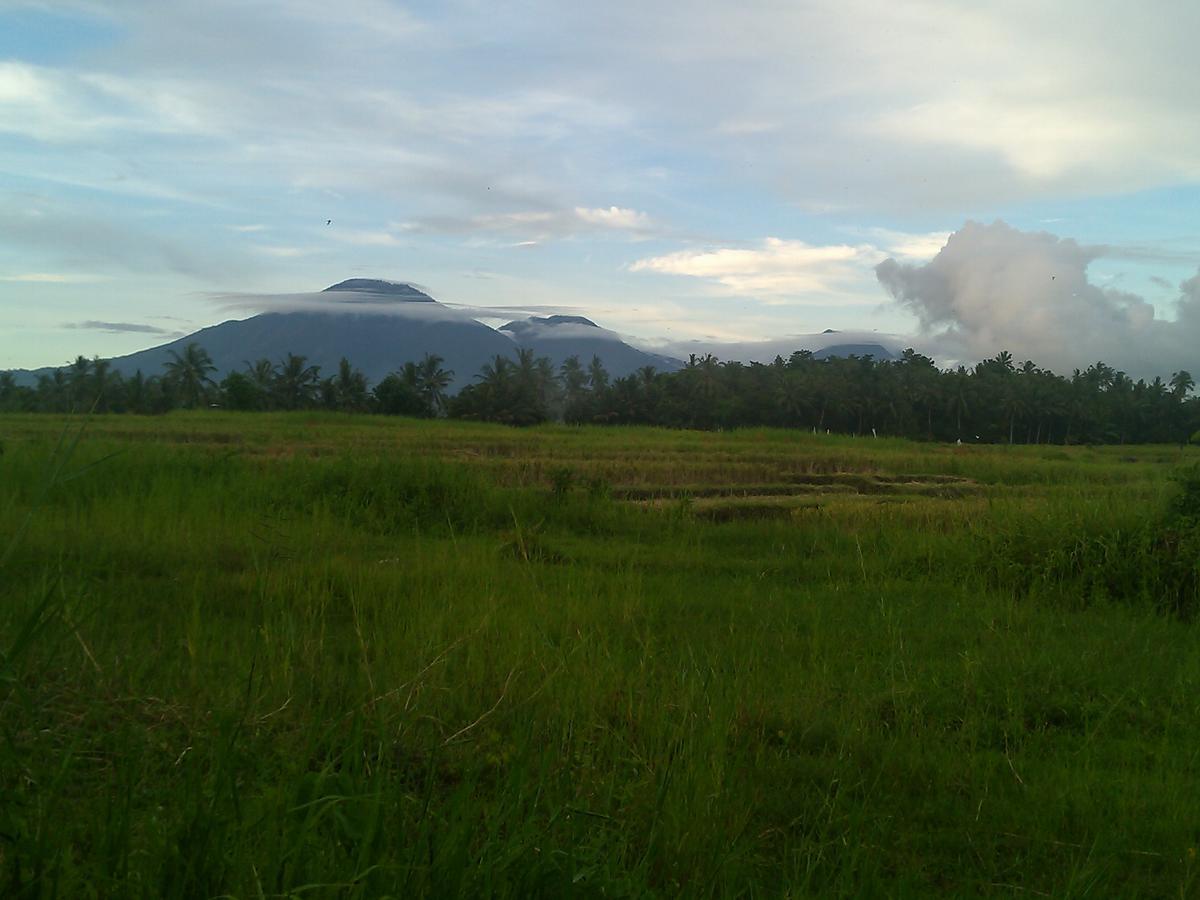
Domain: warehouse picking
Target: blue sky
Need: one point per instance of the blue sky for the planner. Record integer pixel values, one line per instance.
(679, 171)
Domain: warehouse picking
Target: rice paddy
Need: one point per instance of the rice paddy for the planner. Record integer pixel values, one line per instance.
(316, 655)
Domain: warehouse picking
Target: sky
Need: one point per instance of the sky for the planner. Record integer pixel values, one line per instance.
(962, 178)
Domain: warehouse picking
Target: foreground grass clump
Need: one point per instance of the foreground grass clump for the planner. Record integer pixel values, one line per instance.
(326, 656)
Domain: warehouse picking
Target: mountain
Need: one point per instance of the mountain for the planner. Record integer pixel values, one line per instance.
(377, 325)
(878, 351)
(376, 287)
(560, 337)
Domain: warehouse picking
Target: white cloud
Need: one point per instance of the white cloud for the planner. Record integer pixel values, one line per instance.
(778, 267)
(875, 104)
(906, 245)
(614, 217)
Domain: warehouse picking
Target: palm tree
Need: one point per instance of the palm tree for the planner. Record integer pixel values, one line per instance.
(493, 395)
(262, 376)
(434, 380)
(296, 383)
(546, 384)
(189, 374)
(534, 388)
(597, 376)
(1013, 404)
(348, 388)
(574, 382)
(104, 384)
(793, 396)
(78, 381)
(1182, 382)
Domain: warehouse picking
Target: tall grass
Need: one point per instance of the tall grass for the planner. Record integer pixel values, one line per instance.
(326, 656)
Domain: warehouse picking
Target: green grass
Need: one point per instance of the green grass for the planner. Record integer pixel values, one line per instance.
(327, 656)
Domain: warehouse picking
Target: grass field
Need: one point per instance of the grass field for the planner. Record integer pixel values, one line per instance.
(325, 656)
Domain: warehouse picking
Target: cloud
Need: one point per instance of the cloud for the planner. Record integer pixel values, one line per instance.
(508, 313)
(776, 268)
(541, 329)
(858, 104)
(538, 225)
(892, 105)
(74, 236)
(336, 302)
(904, 244)
(53, 106)
(614, 217)
(367, 238)
(121, 328)
(53, 278)
(993, 287)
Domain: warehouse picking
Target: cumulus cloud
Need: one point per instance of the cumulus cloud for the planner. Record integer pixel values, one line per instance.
(993, 287)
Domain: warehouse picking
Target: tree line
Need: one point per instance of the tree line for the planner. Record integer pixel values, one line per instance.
(995, 401)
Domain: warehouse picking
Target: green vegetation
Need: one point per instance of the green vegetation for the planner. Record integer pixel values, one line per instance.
(995, 402)
(318, 655)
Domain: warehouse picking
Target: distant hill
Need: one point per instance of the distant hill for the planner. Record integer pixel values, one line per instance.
(561, 337)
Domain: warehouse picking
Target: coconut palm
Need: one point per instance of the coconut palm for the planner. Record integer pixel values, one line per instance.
(296, 382)
(188, 374)
(433, 381)
(597, 376)
(1182, 382)
(105, 385)
(347, 390)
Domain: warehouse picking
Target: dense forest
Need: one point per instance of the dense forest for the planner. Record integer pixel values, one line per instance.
(996, 401)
